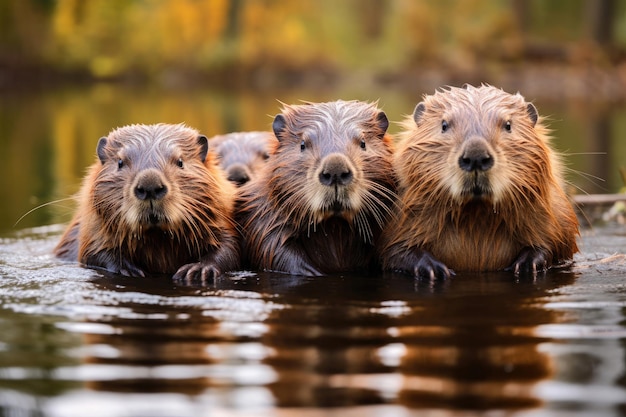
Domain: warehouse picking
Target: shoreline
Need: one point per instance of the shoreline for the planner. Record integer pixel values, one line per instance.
(546, 82)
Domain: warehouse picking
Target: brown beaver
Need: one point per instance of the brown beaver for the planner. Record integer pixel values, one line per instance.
(241, 154)
(479, 188)
(319, 204)
(154, 202)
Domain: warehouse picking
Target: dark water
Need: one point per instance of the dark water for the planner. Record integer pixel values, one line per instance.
(75, 342)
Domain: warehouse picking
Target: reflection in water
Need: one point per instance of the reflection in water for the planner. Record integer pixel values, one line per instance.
(467, 347)
(342, 341)
(76, 342)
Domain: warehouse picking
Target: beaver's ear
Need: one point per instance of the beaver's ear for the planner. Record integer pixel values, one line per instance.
(532, 113)
(102, 142)
(279, 125)
(383, 123)
(203, 142)
(418, 112)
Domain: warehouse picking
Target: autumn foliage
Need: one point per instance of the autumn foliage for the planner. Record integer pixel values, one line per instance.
(170, 39)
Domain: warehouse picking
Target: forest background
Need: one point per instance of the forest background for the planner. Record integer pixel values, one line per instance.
(278, 44)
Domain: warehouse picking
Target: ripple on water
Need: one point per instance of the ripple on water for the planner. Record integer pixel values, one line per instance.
(378, 346)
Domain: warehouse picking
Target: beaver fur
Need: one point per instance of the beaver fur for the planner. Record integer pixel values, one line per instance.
(155, 201)
(480, 188)
(320, 202)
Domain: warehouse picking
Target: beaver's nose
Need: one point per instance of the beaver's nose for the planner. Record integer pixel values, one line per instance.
(238, 174)
(150, 186)
(476, 156)
(335, 171)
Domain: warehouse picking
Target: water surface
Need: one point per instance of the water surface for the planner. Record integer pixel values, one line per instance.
(77, 342)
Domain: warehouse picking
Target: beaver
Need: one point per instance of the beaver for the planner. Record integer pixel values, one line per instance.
(241, 154)
(155, 201)
(320, 202)
(479, 188)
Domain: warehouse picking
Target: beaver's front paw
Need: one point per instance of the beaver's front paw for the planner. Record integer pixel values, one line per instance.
(531, 261)
(426, 266)
(197, 273)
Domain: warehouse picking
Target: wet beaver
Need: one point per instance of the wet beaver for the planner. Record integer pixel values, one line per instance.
(479, 188)
(241, 154)
(154, 202)
(319, 204)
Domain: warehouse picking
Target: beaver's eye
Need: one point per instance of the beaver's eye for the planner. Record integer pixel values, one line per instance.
(444, 126)
(362, 144)
(120, 164)
(507, 126)
(179, 163)
(302, 146)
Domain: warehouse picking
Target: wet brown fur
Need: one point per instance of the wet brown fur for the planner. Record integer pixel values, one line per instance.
(292, 222)
(242, 154)
(522, 218)
(189, 231)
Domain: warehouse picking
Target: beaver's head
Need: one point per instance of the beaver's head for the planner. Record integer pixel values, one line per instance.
(242, 154)
(155, 177)
(332, 160)
(468, 144)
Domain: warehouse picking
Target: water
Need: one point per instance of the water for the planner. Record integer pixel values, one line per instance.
(75, 341)
(79, 342)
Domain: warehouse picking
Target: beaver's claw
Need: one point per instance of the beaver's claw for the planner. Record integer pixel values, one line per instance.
(530, 261)
(426, 266)
(197, 273)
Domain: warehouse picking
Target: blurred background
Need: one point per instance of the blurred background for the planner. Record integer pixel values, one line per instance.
(245, 44)
(72, 70)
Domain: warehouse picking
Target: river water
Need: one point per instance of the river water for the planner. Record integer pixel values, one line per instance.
(76, 342)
